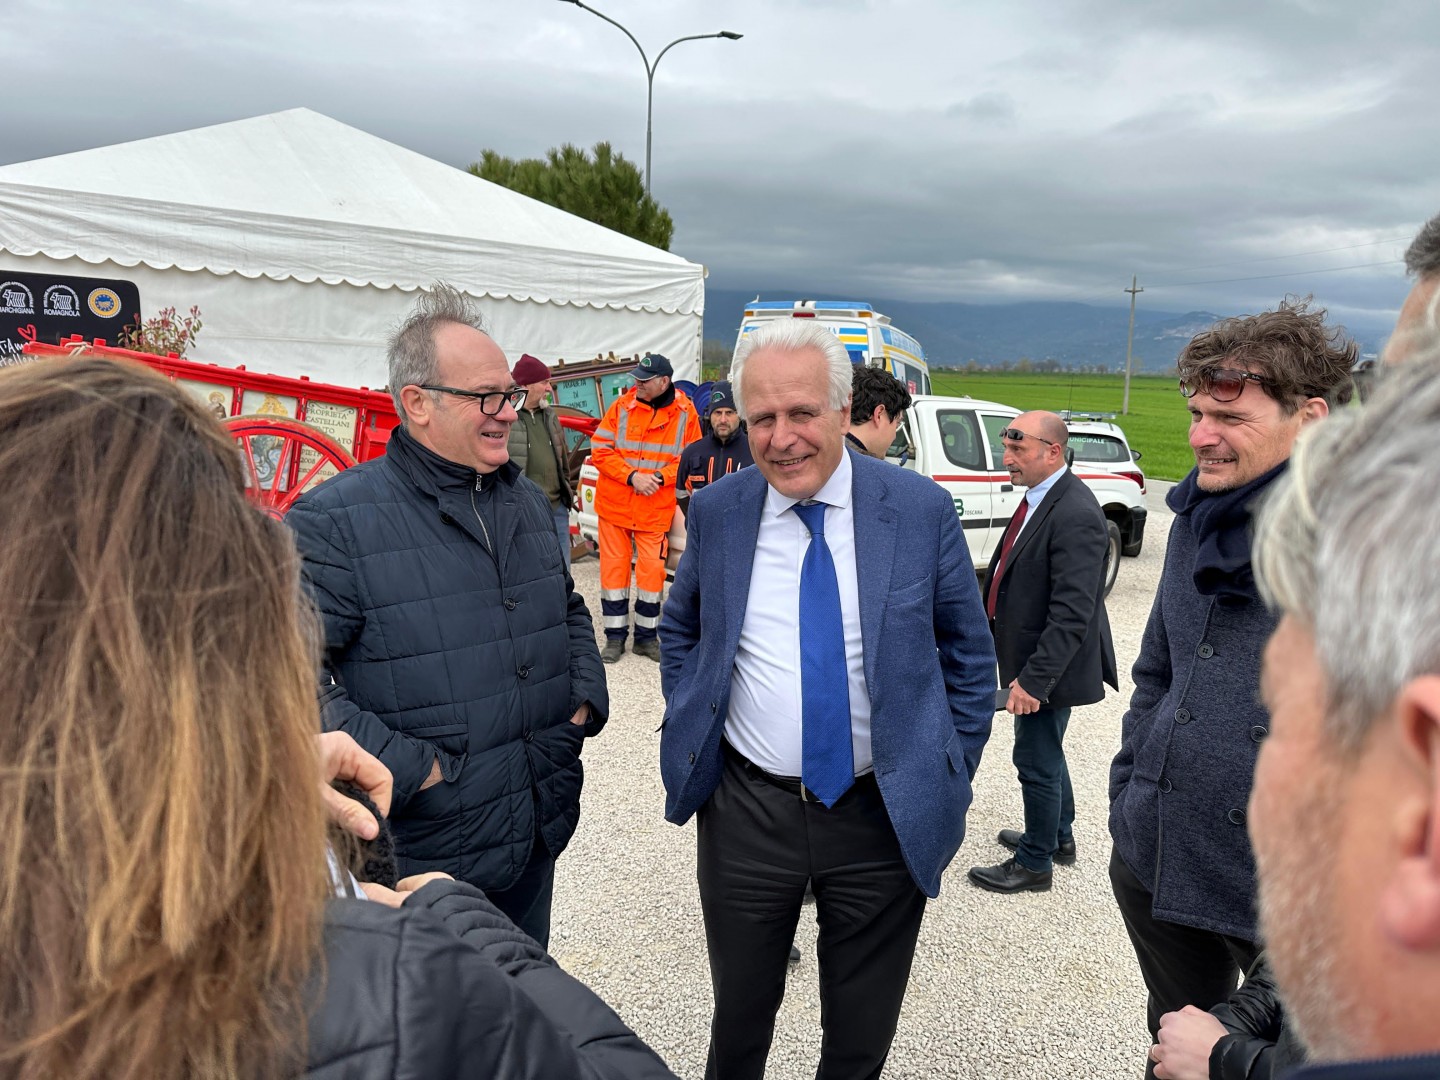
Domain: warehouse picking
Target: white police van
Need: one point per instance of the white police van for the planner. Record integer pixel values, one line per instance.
(956, 442)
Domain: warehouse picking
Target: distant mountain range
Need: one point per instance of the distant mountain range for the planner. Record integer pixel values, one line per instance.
(1073, 335)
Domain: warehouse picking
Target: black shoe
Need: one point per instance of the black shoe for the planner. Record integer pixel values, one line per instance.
(794, 956)
(649, 647)
(613, 650)
(1009, 877)
(1064, 854)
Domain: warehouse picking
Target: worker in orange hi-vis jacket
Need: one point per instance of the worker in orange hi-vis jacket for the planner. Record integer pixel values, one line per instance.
(636, 450)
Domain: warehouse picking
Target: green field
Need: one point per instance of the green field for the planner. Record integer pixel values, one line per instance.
(1157, 424)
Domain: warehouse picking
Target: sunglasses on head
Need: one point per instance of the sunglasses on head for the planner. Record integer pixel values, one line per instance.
(1222, 384)
(1015, 435)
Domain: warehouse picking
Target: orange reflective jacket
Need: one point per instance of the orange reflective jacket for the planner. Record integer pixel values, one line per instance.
(634, 437)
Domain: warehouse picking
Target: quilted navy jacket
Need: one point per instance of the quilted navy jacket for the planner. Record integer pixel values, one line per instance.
(455, 639)
(446, 986)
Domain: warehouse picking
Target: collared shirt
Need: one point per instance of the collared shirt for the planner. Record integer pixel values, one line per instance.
(764, 722)
(1036, 495)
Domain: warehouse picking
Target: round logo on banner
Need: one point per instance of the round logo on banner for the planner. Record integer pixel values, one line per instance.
(105, 303)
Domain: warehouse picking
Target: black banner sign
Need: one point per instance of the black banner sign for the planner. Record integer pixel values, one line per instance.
(50, 307)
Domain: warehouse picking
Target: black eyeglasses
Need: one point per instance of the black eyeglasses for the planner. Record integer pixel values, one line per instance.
(1222, 384)
(1015, 435)
(491, 401)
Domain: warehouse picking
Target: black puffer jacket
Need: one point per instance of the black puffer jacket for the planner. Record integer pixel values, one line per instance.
(440, 649)
(404, 998)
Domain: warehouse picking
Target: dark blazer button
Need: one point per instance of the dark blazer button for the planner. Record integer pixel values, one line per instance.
(1257, 733)
(523, 672)
(1205, 651)
(1237, 817)
(1165, 785)
(692, 758)
(511, 603)
(446, 519)
(1182, 716)
(713, 706)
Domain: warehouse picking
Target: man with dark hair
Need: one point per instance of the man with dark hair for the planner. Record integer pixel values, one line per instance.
(537, 445)
(724, 451)
(877, 402)
(1420, 315)
(457, 650)
(1181, 869)
(1045, 595)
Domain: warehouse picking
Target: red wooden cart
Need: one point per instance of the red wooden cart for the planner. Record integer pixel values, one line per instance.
(293, 433)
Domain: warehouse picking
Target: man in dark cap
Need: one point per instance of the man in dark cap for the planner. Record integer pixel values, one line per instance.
(723, 451)
(636, 449)
(537, 445)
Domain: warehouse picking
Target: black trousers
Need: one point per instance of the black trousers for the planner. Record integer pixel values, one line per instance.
(758, 845)
(527, 901)
(1181, 965)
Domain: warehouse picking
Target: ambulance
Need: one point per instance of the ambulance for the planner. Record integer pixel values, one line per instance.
(867, 335)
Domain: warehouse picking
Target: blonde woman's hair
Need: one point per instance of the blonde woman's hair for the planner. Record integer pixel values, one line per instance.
(162, 861)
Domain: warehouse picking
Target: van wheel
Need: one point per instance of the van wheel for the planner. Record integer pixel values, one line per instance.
(1112, 555)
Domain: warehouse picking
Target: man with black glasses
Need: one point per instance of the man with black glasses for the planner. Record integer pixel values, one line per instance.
(456, 647)
(1181, 868)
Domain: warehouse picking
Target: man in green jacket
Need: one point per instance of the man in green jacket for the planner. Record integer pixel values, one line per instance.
(537, 445)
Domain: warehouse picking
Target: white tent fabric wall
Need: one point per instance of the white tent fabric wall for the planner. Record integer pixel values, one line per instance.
(337, 333)
(303, 240)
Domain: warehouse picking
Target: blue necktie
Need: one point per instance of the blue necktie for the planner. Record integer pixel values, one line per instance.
(828, 761)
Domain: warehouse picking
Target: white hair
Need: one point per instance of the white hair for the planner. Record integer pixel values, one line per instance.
(795, 335)
(1349, 543)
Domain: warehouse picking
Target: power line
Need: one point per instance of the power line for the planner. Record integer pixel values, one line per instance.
(1278, 258)
(1268, 277)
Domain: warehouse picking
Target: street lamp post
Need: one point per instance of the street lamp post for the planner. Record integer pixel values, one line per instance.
(728, 35)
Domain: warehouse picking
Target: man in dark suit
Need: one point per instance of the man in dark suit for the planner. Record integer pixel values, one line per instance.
(1045, 595)
(829, 687)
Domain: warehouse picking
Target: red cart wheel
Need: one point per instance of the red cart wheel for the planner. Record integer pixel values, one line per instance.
(283, 458)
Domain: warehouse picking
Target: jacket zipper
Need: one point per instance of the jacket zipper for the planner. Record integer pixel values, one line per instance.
(486, 532)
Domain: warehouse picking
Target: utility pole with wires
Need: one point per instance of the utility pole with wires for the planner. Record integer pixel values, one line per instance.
(1129, 343)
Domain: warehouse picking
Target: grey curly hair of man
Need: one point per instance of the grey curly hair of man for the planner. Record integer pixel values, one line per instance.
(795, 335)
(1349, 545)
(411, 352)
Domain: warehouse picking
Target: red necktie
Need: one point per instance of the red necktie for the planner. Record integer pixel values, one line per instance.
(1011, 532)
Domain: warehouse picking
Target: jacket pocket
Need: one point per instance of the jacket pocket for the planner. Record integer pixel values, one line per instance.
(453, 739)
(955, 751)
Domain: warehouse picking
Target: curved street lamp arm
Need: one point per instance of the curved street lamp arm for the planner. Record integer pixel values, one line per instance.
(601, 15)
(677, 41)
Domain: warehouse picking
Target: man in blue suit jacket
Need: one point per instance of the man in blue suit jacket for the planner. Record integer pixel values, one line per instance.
(830, 681)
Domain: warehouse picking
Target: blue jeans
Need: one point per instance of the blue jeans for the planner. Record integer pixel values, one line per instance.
(1044, 785)
(562, 530)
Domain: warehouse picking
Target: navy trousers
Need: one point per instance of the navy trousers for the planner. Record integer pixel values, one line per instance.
(1044, 785)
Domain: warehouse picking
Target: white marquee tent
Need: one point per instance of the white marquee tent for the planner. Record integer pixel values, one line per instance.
(303, 241)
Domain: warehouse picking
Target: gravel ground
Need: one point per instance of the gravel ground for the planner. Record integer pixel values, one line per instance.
(1027, 986)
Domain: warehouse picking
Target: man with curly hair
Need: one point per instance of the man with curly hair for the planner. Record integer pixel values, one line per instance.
(1182, 869)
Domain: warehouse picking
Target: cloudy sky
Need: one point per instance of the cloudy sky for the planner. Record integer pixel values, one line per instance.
(926, 149)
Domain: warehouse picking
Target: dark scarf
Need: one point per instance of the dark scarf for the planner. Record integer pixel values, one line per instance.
(667, 398)
(1221, 523)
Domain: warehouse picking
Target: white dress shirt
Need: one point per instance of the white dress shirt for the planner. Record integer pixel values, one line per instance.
(764, 722)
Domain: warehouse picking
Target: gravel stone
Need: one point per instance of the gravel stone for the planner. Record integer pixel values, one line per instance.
(1036, 985)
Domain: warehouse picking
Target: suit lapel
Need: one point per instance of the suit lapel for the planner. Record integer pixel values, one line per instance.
(1038, 516)
(875, 529)
(741, 530)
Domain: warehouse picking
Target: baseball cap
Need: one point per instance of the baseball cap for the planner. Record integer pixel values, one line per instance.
(652, 366)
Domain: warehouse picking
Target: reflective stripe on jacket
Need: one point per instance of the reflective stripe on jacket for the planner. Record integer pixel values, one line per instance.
(635, 437)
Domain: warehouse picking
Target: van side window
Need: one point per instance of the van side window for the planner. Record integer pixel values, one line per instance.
(993, 426)
(960, 435)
